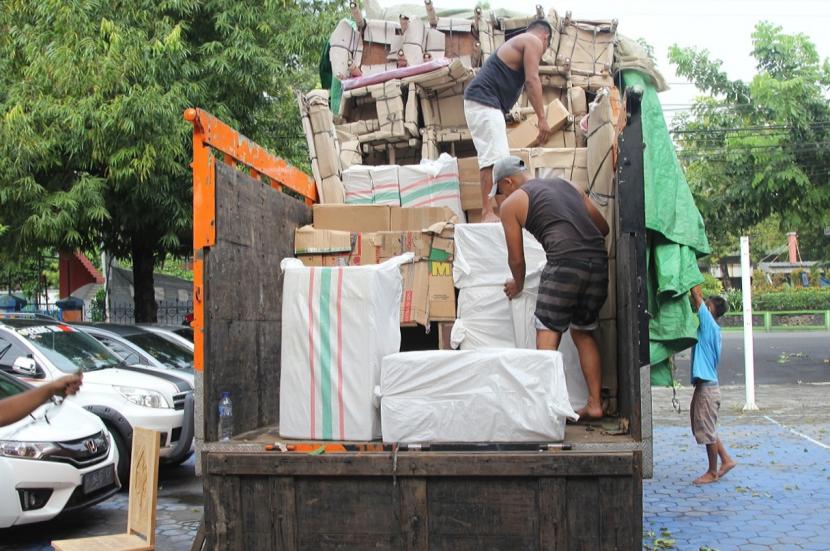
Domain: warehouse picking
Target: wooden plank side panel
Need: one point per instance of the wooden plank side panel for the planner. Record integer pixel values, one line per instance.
(616, 507)
(553, 518)
(490, 513)
(254, 231)
(348, 513)
(284, 500)
(417, 464)
(414, 514)
(223, 513)
(583, 514)
(257, 512)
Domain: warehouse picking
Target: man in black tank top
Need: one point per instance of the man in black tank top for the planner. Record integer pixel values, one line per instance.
(493, 93)
(574, 283)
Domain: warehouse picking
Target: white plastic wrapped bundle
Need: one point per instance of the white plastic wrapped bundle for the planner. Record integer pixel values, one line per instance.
(487, 319)
(481, 255)
(372, 185)
(337, 325)
(432, 184)
(493, 395)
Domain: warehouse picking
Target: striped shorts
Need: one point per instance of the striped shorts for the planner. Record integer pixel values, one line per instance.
(571, 293)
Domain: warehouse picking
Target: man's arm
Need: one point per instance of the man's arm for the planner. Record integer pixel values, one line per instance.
(17, 407)
(511, 221)
(697, 297)
(533, 49)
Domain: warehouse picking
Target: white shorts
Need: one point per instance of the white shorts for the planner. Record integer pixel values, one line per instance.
(489, 132)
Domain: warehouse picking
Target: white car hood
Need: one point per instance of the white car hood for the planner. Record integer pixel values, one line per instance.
(67, 421)
(128, 377)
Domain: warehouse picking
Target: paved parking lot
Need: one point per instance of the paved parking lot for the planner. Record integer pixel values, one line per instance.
(777, 498)
(179, 511)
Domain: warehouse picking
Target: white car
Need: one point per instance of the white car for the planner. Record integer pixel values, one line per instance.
(123, 396)
(144, 345)
(59, 458)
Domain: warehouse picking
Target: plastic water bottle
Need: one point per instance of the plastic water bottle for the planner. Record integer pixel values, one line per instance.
(225, 417)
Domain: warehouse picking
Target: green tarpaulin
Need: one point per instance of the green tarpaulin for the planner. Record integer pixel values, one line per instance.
(676, 237)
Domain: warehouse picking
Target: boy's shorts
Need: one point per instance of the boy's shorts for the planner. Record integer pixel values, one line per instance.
(571, 293)
(489, 132)
(703, 412)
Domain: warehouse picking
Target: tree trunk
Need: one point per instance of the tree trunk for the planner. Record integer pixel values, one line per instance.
(144, 296)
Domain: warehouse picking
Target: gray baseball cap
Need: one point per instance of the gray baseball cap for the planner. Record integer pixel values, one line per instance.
(505, 167)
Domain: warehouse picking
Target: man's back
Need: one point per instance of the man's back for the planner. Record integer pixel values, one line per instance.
(558, 219)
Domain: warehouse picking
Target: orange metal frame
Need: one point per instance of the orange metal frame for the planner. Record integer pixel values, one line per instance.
(211, 133)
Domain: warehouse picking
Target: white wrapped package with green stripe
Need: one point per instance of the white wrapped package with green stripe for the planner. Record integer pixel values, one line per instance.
(337, 325)
(432, 184)
(371, 185)
(488, 395)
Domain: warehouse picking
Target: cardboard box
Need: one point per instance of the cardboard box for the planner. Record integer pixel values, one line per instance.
(525, 133)
(441, 288)
(324, 260)
(441, 291)
(569, 163)
(417, 219)
(352, 218)
(471, 197)
(474, 215)
(468, 170)
(391, 244)
(415, 297)
(332, 191)
(309, 240)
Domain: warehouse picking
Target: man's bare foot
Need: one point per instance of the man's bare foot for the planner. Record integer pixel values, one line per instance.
(726, 467)
(706, 478)
(590, 412)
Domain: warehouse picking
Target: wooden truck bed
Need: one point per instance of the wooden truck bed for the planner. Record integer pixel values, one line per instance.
(421, 500)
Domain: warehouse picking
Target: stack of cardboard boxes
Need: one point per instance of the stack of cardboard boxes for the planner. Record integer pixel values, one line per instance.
(359, 235)
(402, 104)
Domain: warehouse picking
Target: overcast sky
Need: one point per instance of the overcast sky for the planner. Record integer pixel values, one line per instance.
(723, 27)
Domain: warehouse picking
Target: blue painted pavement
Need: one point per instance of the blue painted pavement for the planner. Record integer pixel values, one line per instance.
(777, 498)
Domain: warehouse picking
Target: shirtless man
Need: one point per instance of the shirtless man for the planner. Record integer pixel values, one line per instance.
(495, 91)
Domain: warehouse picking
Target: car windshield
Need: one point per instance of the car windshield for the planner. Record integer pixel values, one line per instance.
(167, 352)
(69, 349)
(186, 332)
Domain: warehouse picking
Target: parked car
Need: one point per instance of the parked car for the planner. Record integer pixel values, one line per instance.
(122, 395)
(60, 458)
(141, 345)
(175, 333)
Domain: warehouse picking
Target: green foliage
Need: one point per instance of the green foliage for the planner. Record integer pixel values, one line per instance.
(793, 299)
(757, 152)
(98, 306)
(93, 147)
(711, 285)
(735, 300)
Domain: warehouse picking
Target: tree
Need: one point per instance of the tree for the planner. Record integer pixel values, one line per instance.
(93, 148)
(760, 149)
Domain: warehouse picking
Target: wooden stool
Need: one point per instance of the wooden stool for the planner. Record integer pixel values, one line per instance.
(141, 518)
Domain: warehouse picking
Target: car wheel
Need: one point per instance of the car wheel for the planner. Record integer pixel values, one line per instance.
(178, 462)
(123, 468)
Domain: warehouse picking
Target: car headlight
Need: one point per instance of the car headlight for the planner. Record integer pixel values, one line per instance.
(143, 397)
(26, 450)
